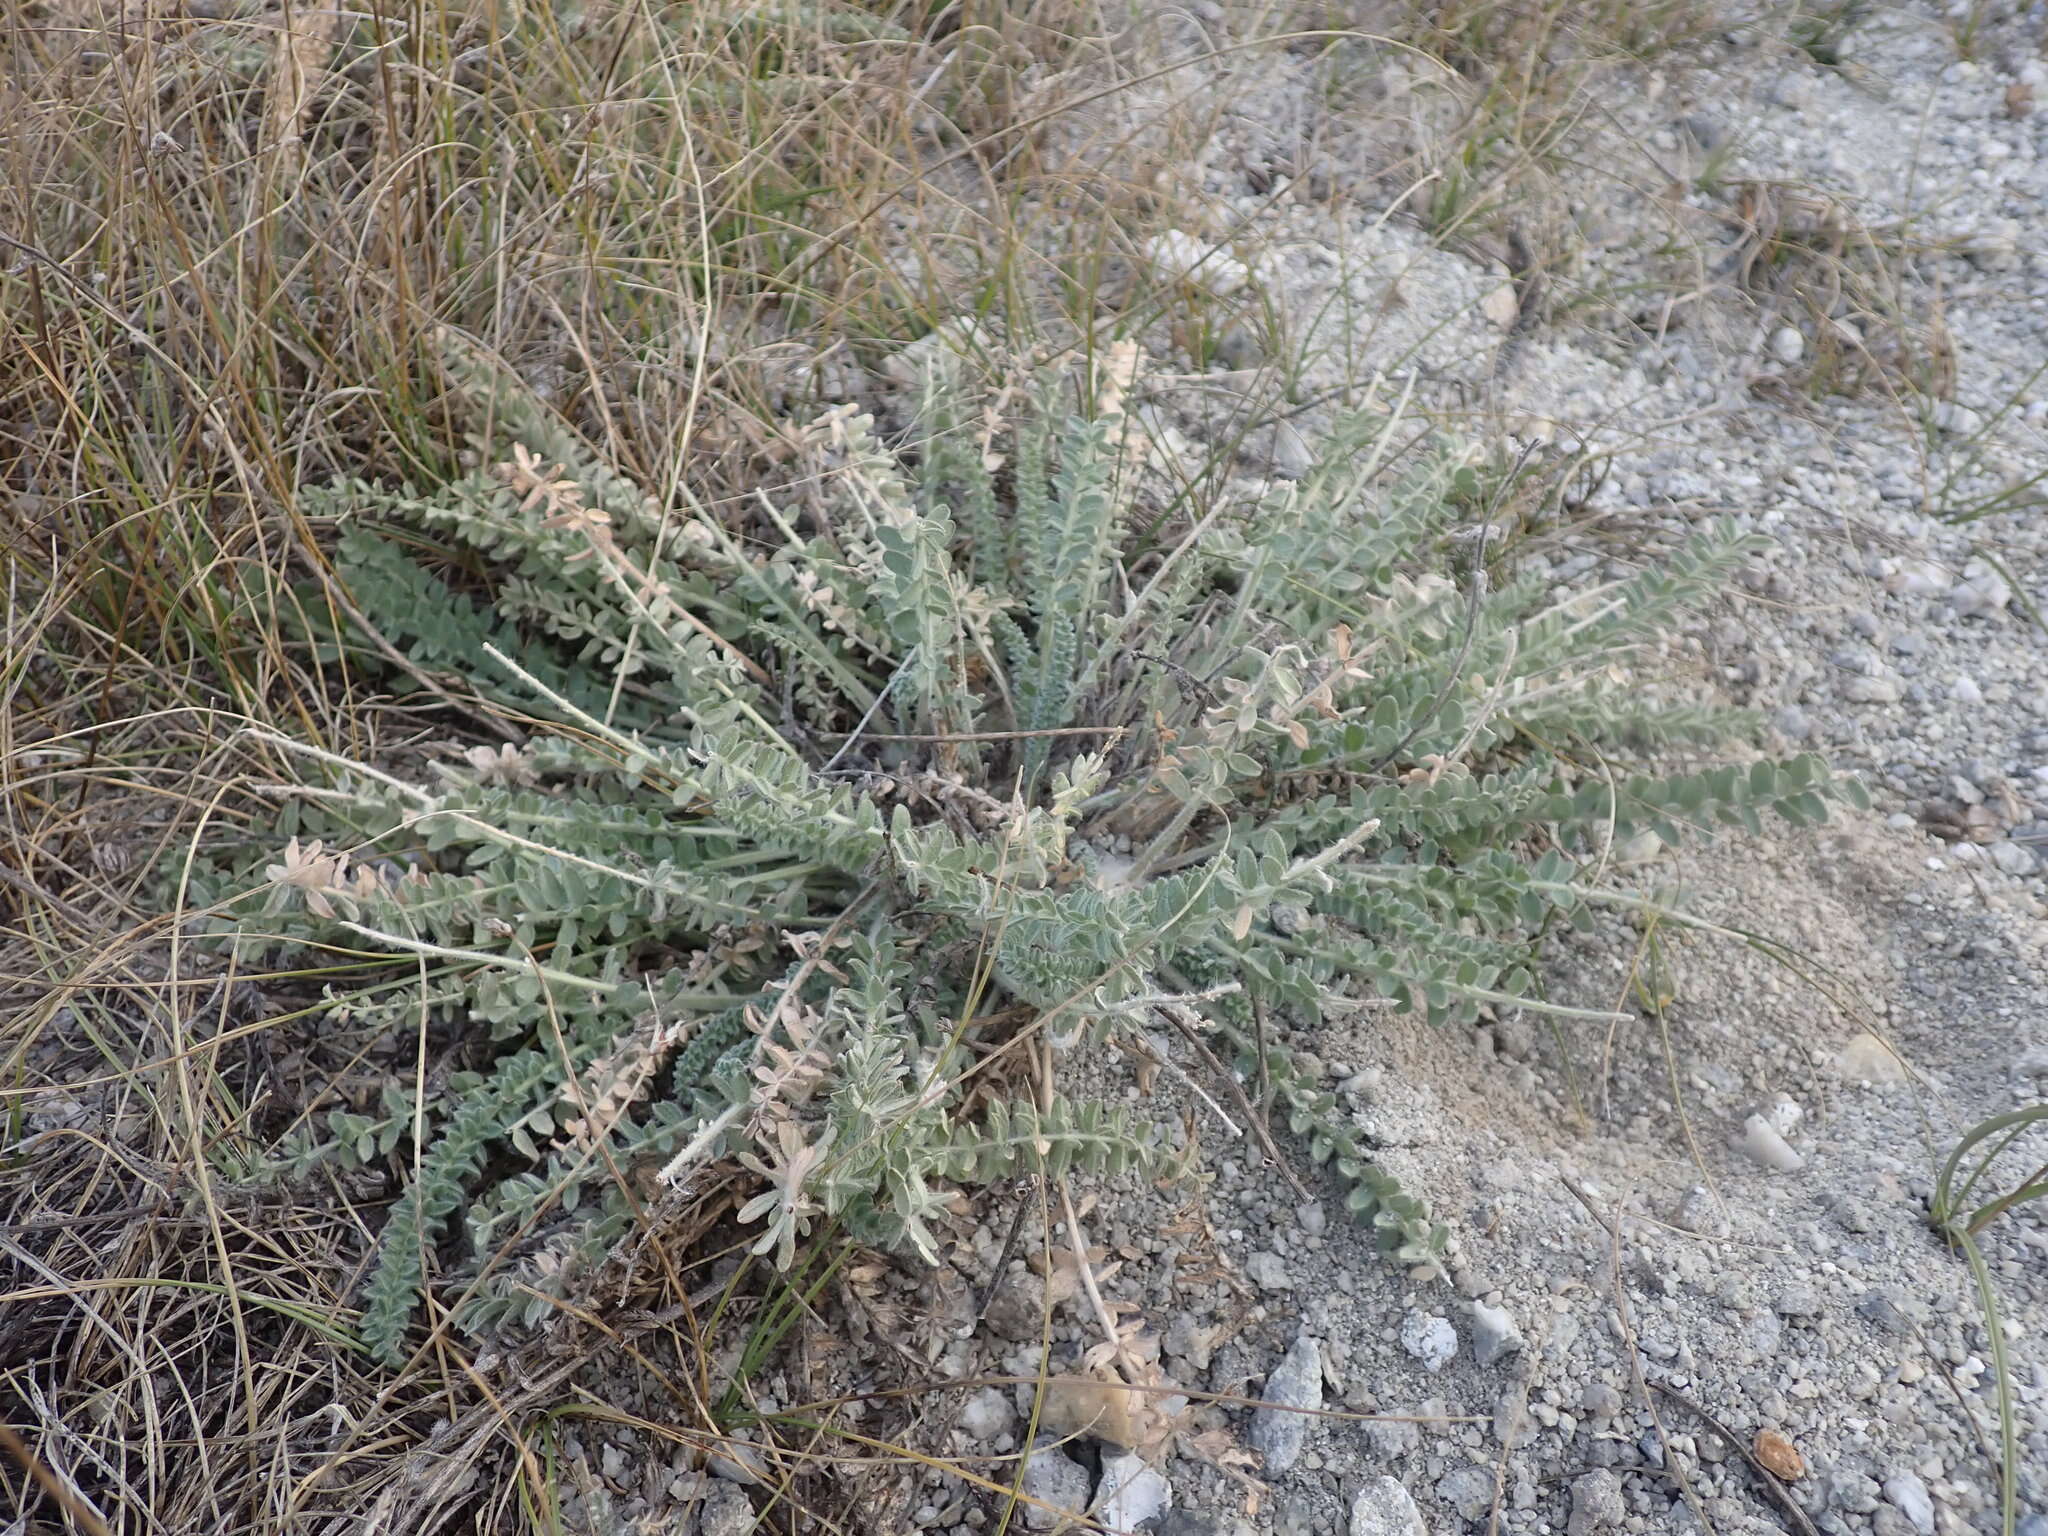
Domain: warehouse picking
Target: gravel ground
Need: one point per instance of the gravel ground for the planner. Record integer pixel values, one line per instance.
(1717, 1216)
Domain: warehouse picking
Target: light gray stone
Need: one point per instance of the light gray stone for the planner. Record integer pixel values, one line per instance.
(1393, 1438)
(1057, 1486)
(1764, 1145)
(1494, 1334)
(1268, 1271)
(1995, 245)
(1468, 1490)
(1513, 1425)
(726, 1512)
(2014, 858)
(1871, 690)
(1910, 1498)
(1797, 1300)
(1597, 1503)
(1954, 417)
(1384, 1508)
(1131, 1493)
(1189, 1340)
(1982, 591)
(1920, 578)
(1279, 1432)
(737, 1463)
(1432, 1340)
(988, 1413)
(1600, 1400)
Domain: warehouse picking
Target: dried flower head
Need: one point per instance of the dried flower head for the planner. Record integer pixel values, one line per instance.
(793, 1208)
(504, 764)
(312, 871)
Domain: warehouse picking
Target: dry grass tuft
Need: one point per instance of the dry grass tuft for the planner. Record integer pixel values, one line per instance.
(1806, 255)
(231, 230)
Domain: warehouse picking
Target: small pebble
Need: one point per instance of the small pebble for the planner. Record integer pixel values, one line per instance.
(1055, 1482)
(1500, 306)
(1600, 1400)
(1393, 1438)
(1867, 1059)
(1278, 1433)
(1797, 1300)
(1787, 345)
(1016, 1310)
(1269, 1272)
(1468, 1490)
(1953, 417)
(1494, 1333)
(1871, 690)
(726, 1512)
(1766, 1146)
(1432, 1340)
(2014, 858)
(1384, 1508)
(1597, 1503)
(1910, 1498)
(1131, 1494)
(1982, 591)
(736, 1464)
(1920, 578)
(987, 1414)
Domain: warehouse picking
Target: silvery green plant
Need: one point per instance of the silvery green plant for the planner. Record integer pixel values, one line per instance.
(817, 799)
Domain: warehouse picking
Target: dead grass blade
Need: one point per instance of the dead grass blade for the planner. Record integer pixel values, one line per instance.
(306, 42)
